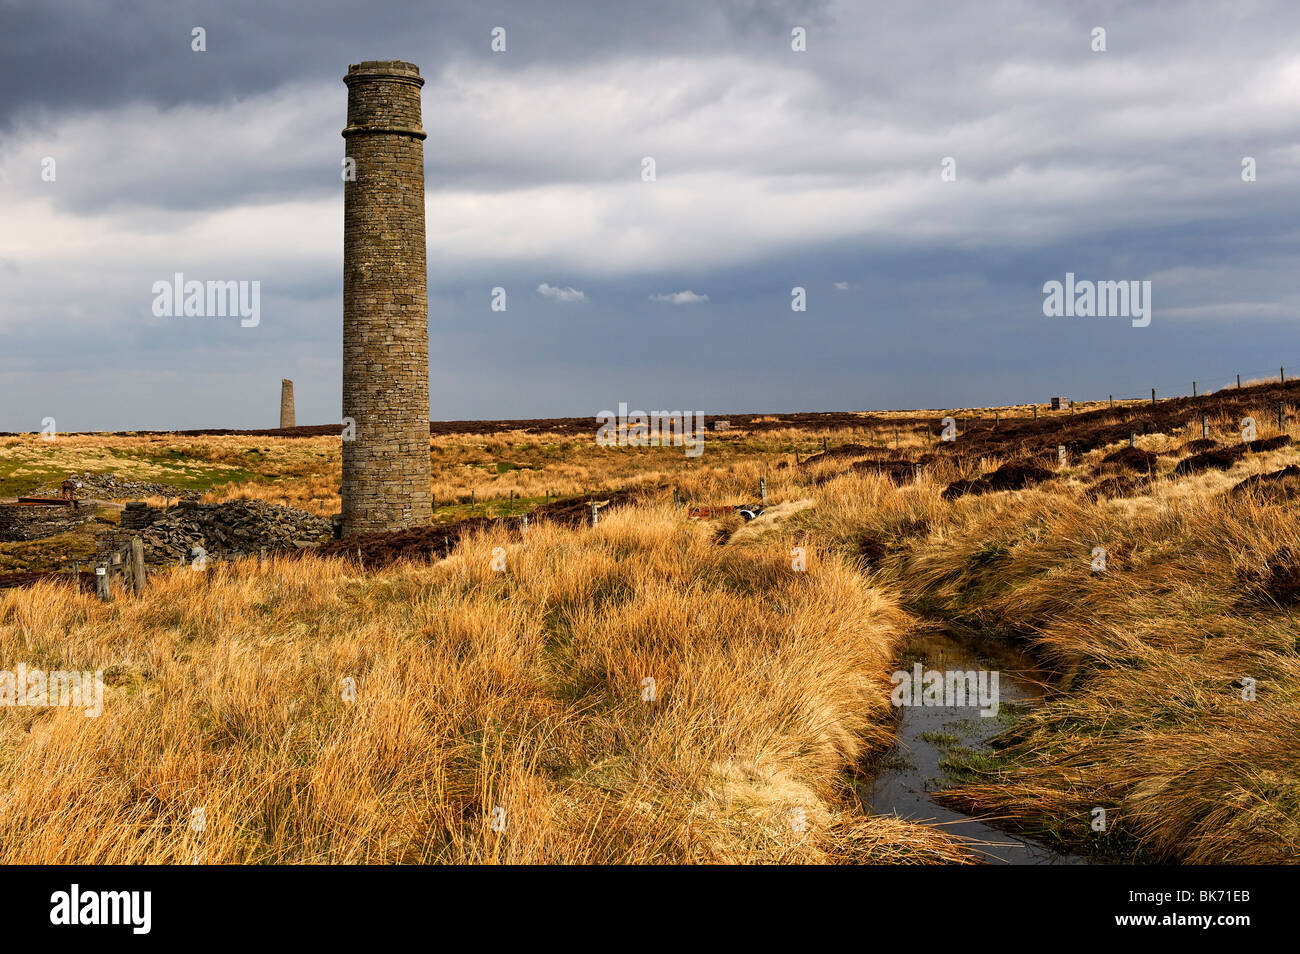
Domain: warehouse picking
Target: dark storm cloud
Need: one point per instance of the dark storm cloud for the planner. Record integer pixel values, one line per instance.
(776, 169)
(87, 54)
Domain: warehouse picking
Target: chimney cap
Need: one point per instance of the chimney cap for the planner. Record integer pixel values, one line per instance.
(384, 69)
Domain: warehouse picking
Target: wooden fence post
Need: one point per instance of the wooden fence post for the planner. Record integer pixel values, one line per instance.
(103, 583)
(762, 490)
(137, 564)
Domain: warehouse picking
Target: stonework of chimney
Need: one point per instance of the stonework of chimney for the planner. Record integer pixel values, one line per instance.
(385, 303)
(286, 403)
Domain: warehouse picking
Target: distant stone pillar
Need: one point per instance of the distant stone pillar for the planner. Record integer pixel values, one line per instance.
(385, 302)
(286, 403)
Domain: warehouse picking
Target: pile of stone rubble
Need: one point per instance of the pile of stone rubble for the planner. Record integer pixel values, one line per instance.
(225, 531)
(113, 487)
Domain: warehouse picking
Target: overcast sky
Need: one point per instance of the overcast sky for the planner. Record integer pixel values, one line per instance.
(775, 168)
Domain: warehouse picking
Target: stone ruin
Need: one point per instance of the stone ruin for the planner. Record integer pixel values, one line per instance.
(20, 522)
(224, 531)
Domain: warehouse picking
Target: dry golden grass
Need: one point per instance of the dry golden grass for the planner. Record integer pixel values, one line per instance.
(475, 690)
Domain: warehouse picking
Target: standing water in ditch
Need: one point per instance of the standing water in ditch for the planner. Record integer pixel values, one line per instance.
(927, 735)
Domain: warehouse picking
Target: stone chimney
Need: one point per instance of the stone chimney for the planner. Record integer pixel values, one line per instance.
(286, 403)
(385, 302)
